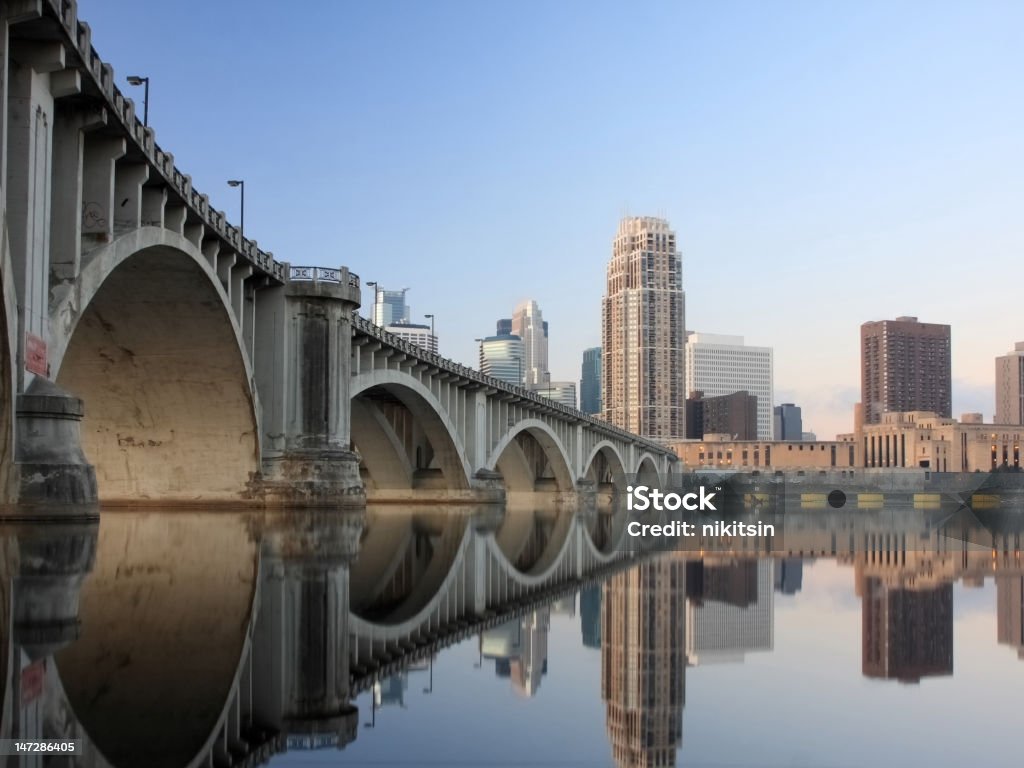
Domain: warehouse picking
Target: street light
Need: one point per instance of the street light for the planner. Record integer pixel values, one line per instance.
(241, 224)
(433, 338)
(136, 80)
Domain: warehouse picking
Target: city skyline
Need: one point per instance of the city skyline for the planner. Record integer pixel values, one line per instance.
(884, 140)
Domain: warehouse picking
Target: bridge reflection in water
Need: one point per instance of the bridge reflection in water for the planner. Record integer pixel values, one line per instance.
(193, 639)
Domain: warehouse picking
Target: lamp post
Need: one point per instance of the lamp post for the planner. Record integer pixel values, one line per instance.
(240, 183)
(433, 338)
(144, 81)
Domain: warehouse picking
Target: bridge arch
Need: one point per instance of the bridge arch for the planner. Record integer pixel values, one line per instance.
(146, 337)
(612, 462)
(647, 470)
(385, 455)
(505, 458)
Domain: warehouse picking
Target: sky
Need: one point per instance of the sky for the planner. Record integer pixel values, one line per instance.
(823, 164)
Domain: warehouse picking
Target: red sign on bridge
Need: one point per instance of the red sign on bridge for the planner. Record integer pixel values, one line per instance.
(35, 355)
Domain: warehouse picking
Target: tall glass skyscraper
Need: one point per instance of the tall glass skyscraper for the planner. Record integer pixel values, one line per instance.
(590, 381)
(643, 335)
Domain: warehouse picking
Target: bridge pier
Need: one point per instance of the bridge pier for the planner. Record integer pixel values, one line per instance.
(305, 389)
(52, 470)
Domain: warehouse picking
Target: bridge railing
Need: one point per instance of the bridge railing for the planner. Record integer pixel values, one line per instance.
(340, 276)
(79, 37)
(362, 325)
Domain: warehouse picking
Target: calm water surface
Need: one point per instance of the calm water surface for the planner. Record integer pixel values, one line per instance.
(152, 633)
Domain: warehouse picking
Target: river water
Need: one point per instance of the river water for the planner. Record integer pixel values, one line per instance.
(884, 639)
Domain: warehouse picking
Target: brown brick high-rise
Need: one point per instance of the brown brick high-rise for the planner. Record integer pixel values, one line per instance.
(905, 366)
(643, 334)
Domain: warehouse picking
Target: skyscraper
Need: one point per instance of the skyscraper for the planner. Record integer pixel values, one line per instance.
(590, 381)
(529, 325)
(389, 307)
(1010, 386)
(502, 358)
(905, 366)
(643, 337)
(720, 365)
(788, 422)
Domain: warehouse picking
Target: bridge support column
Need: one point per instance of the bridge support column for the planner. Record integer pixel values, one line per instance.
(308, 457)
(52, 470)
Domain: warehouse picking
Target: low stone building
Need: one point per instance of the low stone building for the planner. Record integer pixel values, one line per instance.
(720, 451)
(922, 439)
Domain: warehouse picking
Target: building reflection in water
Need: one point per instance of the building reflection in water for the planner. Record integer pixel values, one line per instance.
(730, 609)
(643, 663)
(519, 650)
(184, 638)
(1010, 612)
(590, 616)
(907, 630)
(789, 575)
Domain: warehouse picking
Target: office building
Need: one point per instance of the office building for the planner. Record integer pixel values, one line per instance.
(528, 324)
(590, 381)
(414, 333)
(643, 335)
(1010, 386)
(787, 422)
(643, 664)
(563, 392)
(504, 327)
(720, 365)
(905, 366)
(502, 358)
(734, 415)
(389, 307)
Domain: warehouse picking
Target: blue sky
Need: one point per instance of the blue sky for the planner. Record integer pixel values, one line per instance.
(823, 164)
